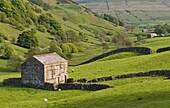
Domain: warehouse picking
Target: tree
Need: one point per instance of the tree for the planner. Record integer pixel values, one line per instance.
(2, 17)
(5, 7)
(14, 63)
(27, 39)
(7, 51)
(162, 29)
(33, 51)
(65, 48)
(71, 36)
(55, 48)
(105, 45)
(73, 47)
(122, 39)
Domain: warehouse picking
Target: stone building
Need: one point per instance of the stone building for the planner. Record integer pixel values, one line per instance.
(46, 68)
(151, 35)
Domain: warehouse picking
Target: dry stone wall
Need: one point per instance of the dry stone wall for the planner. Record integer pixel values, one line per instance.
(92, 87)
(144, 50)
(12, 82)
(131, 75)
(163, 49)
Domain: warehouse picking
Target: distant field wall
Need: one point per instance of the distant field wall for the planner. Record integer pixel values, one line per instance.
(142, 11)
(163, 49)
(143, 50)
(131, 75)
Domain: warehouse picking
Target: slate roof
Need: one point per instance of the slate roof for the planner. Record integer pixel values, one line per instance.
(50, 58)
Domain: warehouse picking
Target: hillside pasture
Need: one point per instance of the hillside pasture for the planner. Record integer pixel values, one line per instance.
(156, 43)
(133, 12)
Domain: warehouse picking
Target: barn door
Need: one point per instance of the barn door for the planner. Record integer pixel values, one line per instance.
(65, 78)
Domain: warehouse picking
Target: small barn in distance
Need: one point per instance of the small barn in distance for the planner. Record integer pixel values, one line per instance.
(46, 68)
(151, 35)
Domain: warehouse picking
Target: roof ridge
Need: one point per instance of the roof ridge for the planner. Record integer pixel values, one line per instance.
(49, 58)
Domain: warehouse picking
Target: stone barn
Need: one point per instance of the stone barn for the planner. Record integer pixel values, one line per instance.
(46, 68)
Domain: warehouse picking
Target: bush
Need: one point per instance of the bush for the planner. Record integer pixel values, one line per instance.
(19, 27)
(73, 48)
(2, 17)
(65, 48)
(41, 28)
(14, 63)
(122, 39)
(1, 39)
(55, 48)
(7, 51)
(109, 33)
(27, 39)
(64, 19)
(29, 21)
(33, 51)
(71, 36)
(38, 10)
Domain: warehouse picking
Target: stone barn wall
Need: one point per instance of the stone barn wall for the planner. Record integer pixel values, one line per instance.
(56, 73)
(32, 72)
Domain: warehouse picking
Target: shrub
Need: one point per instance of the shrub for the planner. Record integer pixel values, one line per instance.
(33, 51)
(65, 48)
(55, 48)
(1, 39)
(29, 21)
(2, 17)
(14, 63)
(27, 39)
(64, 19)
(41, 28)
(73, 48)
(6, 50)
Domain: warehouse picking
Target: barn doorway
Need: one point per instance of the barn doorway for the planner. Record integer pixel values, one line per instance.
(65, 78)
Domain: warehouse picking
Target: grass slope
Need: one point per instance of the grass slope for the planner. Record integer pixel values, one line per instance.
(132, 11)
(132, 92)
(122, 66)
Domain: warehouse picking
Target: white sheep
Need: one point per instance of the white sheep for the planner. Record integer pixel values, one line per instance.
(45, 99)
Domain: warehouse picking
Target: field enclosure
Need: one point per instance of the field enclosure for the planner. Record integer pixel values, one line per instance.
(132, 11)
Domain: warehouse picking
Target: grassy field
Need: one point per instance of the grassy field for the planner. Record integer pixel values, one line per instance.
(152, 92)
(156, 43)
(139, 92)
(132, 12)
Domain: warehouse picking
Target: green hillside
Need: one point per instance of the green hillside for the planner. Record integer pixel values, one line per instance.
(70, 24)
(135, 12)
(67, 16)
(132, 92)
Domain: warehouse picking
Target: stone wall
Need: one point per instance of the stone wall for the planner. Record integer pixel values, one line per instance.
(131, 75)
(46, 86)
(144, 50)
(163, 49)
(12, 82)
(32, 72)
(92, 87)
(52, 87)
